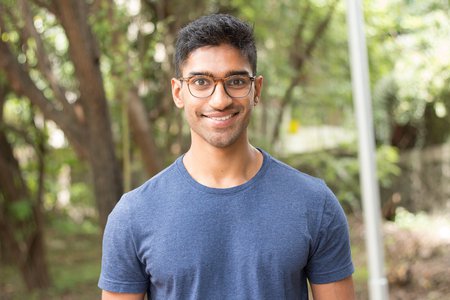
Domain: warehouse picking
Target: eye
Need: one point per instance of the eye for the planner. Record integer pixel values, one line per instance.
(237, 82)
(201, 81)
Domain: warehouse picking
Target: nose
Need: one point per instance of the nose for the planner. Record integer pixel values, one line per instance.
(219, 99)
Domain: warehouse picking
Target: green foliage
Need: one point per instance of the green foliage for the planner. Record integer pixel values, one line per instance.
(387, 165)
(64, 226)
(80, 193)
(408, 47)
(361, 274)
(20, 210)
(406, 219)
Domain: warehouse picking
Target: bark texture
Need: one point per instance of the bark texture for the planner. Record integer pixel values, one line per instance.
(22, 237)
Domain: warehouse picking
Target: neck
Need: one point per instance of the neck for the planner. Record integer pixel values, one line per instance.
(223, 167)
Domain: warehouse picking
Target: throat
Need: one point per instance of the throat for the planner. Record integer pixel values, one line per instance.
(223, 171)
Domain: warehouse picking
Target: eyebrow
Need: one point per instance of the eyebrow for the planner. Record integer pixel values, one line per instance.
(229, 73)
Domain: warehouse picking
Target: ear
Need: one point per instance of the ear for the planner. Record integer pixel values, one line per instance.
(176, 92)
(258, 89)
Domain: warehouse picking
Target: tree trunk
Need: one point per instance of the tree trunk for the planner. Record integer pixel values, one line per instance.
(85, 56)
(142, 133)
(22, 238)
(435, 128)
(34, 269)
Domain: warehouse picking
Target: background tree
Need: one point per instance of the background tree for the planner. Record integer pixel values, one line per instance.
(78, 108)
(21, 216)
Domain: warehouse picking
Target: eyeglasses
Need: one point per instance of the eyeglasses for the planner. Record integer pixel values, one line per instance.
(203, 86)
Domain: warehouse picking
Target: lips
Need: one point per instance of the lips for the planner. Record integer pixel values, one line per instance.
(221, 119)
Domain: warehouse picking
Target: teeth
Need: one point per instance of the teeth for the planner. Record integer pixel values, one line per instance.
(221, 118)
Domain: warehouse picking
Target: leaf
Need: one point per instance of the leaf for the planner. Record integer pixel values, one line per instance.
(21, 210)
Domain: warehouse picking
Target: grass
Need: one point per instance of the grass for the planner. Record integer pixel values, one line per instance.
(73, 255)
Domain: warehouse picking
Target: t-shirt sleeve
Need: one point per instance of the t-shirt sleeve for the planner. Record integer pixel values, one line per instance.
(331, 260)
(122, 271)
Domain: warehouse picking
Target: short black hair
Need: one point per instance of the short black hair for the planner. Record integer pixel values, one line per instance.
(214, 30)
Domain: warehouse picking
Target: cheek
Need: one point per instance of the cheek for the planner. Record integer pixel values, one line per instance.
(250, 103)
(190, 113)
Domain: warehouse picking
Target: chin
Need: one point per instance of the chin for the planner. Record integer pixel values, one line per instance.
(220, 144)
(223, 142)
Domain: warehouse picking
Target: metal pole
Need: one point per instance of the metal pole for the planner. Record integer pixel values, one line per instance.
(378, 287)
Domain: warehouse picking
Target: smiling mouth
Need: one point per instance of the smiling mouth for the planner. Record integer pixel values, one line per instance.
(221, 118)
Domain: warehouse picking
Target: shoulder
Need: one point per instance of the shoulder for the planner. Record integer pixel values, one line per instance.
(151, 190)
(286, 175)
(310, 193)
(168, 176)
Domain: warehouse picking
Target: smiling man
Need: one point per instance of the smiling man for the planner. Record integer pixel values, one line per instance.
(226, 220)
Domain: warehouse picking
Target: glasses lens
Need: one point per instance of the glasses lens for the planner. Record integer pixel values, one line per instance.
(238, 85)
(201, 86)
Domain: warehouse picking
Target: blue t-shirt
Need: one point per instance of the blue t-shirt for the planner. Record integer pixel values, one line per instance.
(175, 238)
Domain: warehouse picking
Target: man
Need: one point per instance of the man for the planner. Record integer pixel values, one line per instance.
(226, 220)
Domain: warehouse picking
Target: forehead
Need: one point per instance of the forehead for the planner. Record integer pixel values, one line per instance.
(217, 60)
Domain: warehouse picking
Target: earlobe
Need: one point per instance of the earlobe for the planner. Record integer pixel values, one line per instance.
(176, 93)
(258, 88)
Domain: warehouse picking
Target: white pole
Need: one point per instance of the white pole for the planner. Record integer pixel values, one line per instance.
(378, 287)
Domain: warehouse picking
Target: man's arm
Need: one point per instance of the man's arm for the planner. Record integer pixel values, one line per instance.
(339, 290)
(121, 296)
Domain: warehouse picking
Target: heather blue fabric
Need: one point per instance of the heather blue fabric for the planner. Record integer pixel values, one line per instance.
(178, 239)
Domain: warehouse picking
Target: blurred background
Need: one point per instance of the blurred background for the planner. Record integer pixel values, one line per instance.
(86, 114)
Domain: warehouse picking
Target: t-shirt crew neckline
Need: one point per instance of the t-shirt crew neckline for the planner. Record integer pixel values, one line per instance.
(224, 191)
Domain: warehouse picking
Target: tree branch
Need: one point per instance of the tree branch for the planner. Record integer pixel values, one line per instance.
(142, 132)
(295, 52)
(43, 63)
(320, 29)
(298, 62)
(84, 54)
(49, 6)
(22, 84)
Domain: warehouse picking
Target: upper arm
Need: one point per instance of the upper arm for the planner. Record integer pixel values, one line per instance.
(122, 268)
(330, 257)
(338, 290)
(106, 295)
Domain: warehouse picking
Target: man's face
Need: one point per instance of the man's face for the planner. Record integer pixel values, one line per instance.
(219, 120)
